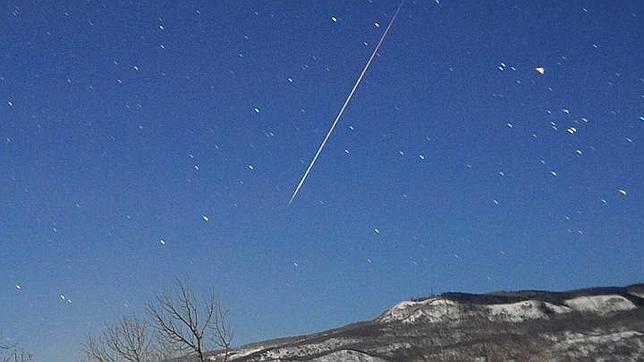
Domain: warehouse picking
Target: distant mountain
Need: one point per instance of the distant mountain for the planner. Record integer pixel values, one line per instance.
(585, 324)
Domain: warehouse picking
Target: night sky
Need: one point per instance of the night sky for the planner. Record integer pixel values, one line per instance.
(144, 141)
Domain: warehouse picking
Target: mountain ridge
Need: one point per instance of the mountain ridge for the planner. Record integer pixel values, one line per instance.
(588, 323)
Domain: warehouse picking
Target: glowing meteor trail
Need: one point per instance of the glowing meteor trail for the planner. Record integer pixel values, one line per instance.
(346, 102)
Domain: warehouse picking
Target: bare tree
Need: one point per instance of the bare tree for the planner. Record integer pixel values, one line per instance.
(12, 353)
(223, 332)
(96, 350)
(189, 325)
(127, 340)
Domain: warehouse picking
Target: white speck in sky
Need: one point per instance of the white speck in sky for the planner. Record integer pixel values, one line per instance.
(334, 19)
(10, 103)
(540, 70)
(250, 167)
(196, 167)
(571, 130)
(554, 173)
(376, 24)
(579, 152)
(162, 241)
(510, 125)
(290, 80)
(622, 192)
(496, 202)
(422, 157)
(18, 286)
(205, 218)
(256, 110)
(62, 297)
(376, 230)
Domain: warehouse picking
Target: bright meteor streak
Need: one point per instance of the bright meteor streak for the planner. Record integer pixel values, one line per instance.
(346, 102)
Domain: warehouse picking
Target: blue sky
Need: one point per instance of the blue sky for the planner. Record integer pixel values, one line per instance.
(125, 123)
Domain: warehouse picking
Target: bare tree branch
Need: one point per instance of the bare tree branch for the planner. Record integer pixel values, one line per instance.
(127, 340)
(12, 353)
(191, 327)
(97, 351)
(180, 323)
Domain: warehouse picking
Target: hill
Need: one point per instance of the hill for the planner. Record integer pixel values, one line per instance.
(594, 323)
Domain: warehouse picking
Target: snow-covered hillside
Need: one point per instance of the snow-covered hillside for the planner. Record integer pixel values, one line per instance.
(445, 309)
(591, 324)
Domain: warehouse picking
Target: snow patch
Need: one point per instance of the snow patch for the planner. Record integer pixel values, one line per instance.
(291, 352)
(347, 356)
(637, 292)
(433, 310)
(233, 355)
(525, 310)
(582, 346)
(602, 338)
(600, 304)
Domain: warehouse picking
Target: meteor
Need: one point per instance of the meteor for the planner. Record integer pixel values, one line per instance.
(346, 102)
